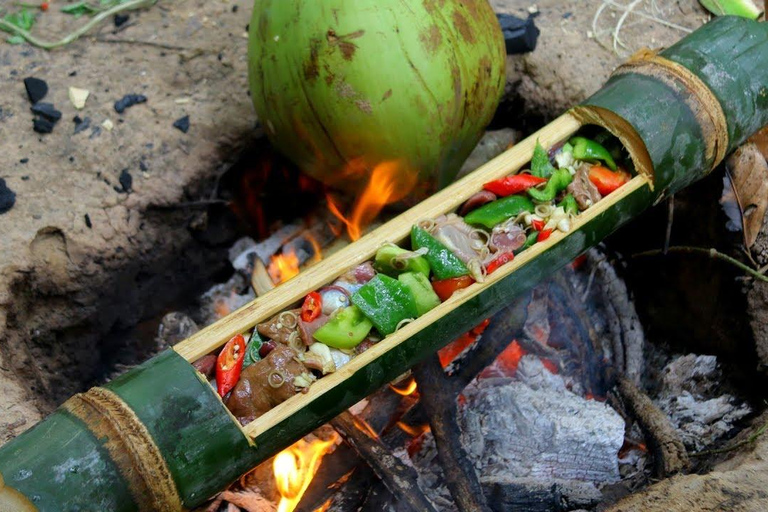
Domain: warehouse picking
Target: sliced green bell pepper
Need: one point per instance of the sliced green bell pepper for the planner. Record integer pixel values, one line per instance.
(345, 330)
(531, 239)
(540, 164)
(500, 210)
(443, 262)
(586, 149)
(252, 350)
(421, 290)
(570, 205)
(559, 181)
(387, 262)
(385, 302)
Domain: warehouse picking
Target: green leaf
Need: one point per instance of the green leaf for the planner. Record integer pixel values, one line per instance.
(23, 19)
(79, 9)
(15, 40)
(743, 8)
(540, 165)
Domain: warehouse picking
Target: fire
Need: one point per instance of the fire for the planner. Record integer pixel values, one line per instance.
(294, 469)
(325, 506)
(413, 431)
(408, 390)
(283, 267)
(389, 182)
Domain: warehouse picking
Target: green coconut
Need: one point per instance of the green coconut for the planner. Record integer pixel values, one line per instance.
(341, 86)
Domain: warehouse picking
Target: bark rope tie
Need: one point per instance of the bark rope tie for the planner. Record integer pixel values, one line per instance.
(130, 446)
(702, 102)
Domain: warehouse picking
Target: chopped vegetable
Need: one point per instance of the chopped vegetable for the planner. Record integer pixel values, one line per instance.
(559, 181)
(586, 149)
(393, 260)
(421, 290)
(447, 287)
(347, 329)
(537, 224)
(543, 235)
(540, 164)
(529, 241)
(386, 302)
(252, 350)
(498, 211)
(570, 205)
(312, 307)
(606, 180)
(499, 261)
(514, 184)
(442, 261)
(229, 364)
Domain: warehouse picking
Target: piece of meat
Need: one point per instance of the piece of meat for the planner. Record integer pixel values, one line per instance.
(459, 237)
(476, 201)
(364, 272)
(583, 190)
(206, 365)
(363, 346)
(507, 237)
(254, 395)
(276, 330)
(307, 329)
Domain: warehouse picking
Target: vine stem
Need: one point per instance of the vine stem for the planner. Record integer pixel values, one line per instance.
(712, 253)
(74, 35)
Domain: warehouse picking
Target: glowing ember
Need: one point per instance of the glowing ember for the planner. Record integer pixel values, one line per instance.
(408, 390)
(294, 469)
(325, 506)
(363, 425)
(389, 183)
(413, 431)
(283, 267)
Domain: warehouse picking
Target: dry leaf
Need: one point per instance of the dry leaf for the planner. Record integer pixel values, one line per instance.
(761, 139)
(749, 172)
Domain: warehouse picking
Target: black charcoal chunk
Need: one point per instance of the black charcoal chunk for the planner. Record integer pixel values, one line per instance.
(88, 221)
(129, 100)
(42, 125)
(81, 124)
(47, 111)
(36, 89)
(121, 19)
(126, 180)
(520, 35)
(182, 124)
(7, 197)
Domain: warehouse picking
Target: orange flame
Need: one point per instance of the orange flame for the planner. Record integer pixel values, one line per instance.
(318, 252)
(390, 182)
(413, 431)
(283, 267)
(325, 506)
(364, 426)
(294, 469)
(408, 390)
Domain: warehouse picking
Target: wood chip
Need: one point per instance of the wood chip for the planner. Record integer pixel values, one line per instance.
(108, 125)
(260, 280)
(78, 97)
(749, 172)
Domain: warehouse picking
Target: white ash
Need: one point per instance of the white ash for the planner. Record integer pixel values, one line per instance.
(222, 299)
(690, 397)
(243, 251)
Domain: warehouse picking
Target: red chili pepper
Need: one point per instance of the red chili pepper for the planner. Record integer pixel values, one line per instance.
(44, 6)
(447, 287)
(229, 364)
(537, 225)
(513, 184)
(499, 261)
(607, 180)
(312, 307)
(543, 235)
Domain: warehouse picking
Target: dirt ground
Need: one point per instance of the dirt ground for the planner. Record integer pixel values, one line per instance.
(101, 235)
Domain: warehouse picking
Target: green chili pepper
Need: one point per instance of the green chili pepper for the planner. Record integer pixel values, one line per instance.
(387, 261)
(500, 210)
(252, 350)
(529, 241)
(385, 302)
(585, 149)
(559, 180)
(443, 262)
(345, 330)
(540, 164)
(569, 204)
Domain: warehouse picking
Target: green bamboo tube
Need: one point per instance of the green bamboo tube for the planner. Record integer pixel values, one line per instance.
(159, 438)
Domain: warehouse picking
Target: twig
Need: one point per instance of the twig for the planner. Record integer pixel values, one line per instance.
(751, 439)
(712, 253)
(74, 35)
(439, 402)
(156, 44)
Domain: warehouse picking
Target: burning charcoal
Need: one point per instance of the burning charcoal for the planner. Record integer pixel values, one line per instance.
(182, 124)
(7, 197)
(126, 181)
(520, 35)
(36, 89)
(47, 111)
(129, 100)
(121, 19)
(81, 124)
(41, 125)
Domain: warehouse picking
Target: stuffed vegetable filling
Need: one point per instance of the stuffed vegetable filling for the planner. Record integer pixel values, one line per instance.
(285, 355)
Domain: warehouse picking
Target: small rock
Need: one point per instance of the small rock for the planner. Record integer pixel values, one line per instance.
(47, 111)
(7, 197)
(41, 125)
(121, 19)
(81, 124)
(24, 160)
(108, 125)
(36, 88)
(78, 97)
(182, 124)
(126, 180)
(129, 100)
